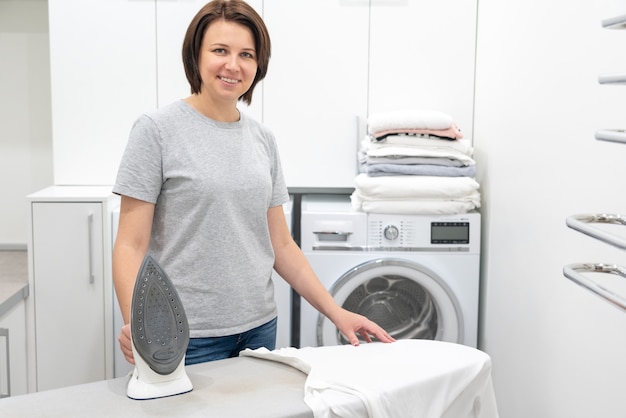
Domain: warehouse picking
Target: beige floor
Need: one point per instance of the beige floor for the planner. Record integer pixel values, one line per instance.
(13, 265)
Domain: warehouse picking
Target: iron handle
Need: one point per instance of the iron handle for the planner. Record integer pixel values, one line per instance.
(4, 332)
(574, 273)
(583, 223)
(90, 247)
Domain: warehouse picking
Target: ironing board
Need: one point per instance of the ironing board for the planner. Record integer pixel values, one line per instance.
(409, 378)
(248, 386)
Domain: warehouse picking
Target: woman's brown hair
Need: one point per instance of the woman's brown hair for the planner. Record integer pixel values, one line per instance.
(237, 11)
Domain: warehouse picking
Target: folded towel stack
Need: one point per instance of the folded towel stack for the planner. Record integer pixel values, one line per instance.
(415, 162)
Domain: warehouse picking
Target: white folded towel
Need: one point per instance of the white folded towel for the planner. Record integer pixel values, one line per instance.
(399, 159)
(463, 146)
(415, 206)
(415, 187)
(396, 151)
(408, 119)
(398, 146)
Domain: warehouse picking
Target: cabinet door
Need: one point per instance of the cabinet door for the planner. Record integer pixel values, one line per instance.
(68, 289)
(103, 75)
(316, 87)
(422, 57)
(172, 20)
(13, 357)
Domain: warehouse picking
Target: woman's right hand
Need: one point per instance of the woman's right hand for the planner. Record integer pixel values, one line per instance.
(125, 344)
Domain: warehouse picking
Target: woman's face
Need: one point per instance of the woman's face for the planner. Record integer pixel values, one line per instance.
(228, 61)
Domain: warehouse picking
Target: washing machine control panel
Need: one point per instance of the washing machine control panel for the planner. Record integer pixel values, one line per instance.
(416, 233)
(391, 232)
(449, 232)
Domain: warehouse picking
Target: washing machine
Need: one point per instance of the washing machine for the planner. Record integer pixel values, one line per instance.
(415, 275)
(282, 293)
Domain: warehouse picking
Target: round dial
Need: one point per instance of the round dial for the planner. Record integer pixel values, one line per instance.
(391, 232)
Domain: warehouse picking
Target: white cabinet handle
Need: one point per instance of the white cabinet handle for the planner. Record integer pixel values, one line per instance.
(574, 273)
(90, 249)
(583, 223)
(4, 332)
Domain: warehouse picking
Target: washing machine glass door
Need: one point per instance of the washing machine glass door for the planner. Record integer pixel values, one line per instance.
(406, 299)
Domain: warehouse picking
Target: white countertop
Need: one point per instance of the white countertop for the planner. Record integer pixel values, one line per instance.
(13, 279)
(11, 292)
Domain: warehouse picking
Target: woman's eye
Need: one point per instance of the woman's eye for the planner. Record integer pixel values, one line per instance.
(219, 50)
(247, 55)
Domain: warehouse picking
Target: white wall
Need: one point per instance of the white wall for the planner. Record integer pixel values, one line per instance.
(557, 350)
(25, 119)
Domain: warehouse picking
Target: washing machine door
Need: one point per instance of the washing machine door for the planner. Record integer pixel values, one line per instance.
(405, 298)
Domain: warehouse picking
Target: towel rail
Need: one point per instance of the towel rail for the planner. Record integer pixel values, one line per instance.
(574, 273)
(611, 135)
(612, 78)
(617, 22)
(584, 223)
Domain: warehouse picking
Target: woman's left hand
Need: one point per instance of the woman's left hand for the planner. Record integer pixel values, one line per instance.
(351, 324)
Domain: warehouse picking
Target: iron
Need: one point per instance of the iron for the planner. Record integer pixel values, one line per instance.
(159, 336)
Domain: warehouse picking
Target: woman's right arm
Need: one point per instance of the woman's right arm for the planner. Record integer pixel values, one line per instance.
(131, 245)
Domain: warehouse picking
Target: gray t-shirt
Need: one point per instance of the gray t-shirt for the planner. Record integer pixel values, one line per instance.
(212, 183)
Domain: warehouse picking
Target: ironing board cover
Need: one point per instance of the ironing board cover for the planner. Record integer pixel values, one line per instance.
(407, 378)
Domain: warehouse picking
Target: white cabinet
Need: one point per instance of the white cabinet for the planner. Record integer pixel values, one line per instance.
(103, 75)
(13, 365)
(316, 88)
(71, 286)
(422, 55)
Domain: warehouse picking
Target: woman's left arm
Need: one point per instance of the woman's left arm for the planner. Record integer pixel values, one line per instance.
(291, 264)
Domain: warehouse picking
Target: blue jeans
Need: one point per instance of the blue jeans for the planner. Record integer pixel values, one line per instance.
(201, 350)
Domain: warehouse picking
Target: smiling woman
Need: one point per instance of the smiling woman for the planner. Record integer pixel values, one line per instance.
(202, 191)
